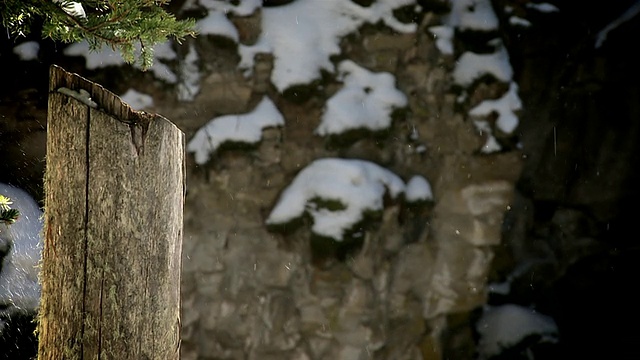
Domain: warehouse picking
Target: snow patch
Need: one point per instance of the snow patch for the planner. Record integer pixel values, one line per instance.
(503, 327)
(629, 14)
(357, 184)
(245, 128)
(189, 85)
(106, 56)
(504, 106)
(366, 100)
(491, 145)
(217, 23)
(418, 189)
(543, 7)
(471, 66)
(301, 41)
(27, 50)
(444, 38)
(137, 100)
(518, 21)
(240, 8)
(472, 15)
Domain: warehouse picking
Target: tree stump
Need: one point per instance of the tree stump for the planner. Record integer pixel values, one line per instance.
(114, 195)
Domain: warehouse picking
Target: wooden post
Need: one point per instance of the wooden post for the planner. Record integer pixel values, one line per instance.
(111, 262)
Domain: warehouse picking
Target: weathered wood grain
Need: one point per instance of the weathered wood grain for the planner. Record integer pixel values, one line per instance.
(113, 229)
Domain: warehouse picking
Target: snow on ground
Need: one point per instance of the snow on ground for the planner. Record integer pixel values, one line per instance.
(358, 185)
(502, 327)
(366, 101)
(19, 287)
(246, 128)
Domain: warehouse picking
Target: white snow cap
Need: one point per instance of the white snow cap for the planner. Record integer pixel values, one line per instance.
(502, 327)
(19, 287)
(471, 66)
(217, 23)
(472, 15)
(357, 184)
(418, 189)
(366, 100)
(245, 128)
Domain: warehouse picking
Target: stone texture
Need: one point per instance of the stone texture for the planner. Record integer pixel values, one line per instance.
(261, 296)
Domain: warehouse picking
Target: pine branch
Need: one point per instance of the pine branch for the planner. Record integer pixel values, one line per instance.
(7, 214)
(119, 24)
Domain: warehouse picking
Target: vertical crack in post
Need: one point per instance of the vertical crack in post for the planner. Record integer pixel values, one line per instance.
(139, 128)
(86, 229)
(100, 322)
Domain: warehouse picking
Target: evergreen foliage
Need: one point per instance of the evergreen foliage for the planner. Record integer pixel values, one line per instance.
(128, 26)
(7, 214)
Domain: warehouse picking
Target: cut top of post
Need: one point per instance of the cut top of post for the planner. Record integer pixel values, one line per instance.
(96, 96)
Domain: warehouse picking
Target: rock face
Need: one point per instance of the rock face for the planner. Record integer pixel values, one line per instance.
(252, 293)
(545, 214)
